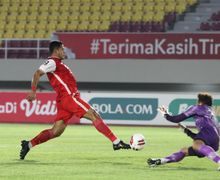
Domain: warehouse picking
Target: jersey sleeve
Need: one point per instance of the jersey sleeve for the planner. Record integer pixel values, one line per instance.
(181, 117)
(48, 66)
(176, 119)
(191, 111)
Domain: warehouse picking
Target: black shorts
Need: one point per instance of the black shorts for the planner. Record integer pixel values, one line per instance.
(193, 152)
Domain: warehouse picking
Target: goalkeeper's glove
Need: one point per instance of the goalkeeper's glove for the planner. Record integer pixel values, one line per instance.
(163, 110)
(187, 131)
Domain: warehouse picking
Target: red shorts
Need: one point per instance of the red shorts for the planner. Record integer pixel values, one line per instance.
(69, 106)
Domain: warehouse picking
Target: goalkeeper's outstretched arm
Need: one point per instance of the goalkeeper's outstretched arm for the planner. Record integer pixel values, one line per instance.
(175, 119)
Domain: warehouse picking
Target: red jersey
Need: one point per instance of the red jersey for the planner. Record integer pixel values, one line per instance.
(60, 76)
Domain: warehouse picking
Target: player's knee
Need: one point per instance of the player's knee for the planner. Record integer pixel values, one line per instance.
(184, 150)
(57, 132)
(197, 144)
(92, 115)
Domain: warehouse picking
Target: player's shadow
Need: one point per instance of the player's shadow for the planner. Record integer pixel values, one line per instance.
(16, 162)
(179, 169)
(191, 169)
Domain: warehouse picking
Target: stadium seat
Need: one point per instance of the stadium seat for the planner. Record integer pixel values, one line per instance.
(137, 17)
(95, 16)
(10, 26)
(170, 18)
(191, 2)
(117, 7)
(124, 27)
(157, 27)
(39, 34)
(30, 25)
(159, 8)
(74, 16)
(62, 25)
(85, 8)
(83, 26)
(106, 17)
(180, 8)
(84, 17)
(135, 27)
(114, 27)
(72, 26)
(96, 7)
(126, 8)
(115, 16)
(2, 54)
(44, 54)
(148, 7)
(94, 26)
(104, 26)
(106, 7)
(148, 17)
(213, 24)
(205, 26)
(146, 27)
(169, 8)
(215, 16)
(159, 17)
(126, 16)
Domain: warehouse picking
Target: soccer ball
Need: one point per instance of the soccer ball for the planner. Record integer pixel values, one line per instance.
(137, 142)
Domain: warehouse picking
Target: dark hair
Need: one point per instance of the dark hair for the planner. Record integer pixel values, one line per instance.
(54, 45)
(205, 98)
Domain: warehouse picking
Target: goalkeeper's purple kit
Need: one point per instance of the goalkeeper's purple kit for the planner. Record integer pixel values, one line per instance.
(205, 123)
(208, 133)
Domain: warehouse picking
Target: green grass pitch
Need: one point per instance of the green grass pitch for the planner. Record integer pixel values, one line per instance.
(82, 153)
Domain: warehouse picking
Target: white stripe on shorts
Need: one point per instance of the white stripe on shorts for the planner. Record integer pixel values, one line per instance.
(80, 104)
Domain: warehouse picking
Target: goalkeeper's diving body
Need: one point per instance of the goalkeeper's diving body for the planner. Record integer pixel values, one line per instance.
(205, 142)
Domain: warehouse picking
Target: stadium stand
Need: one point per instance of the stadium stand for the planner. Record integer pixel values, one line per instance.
(39, 18)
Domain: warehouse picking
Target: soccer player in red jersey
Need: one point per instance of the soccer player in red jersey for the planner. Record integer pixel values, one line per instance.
(68, 101)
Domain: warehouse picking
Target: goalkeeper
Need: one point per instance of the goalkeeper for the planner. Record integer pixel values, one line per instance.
(205, 142)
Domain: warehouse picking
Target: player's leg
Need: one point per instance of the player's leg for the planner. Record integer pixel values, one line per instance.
(99, 124)
(80, 109)
(175, 157)
(208, 151)
(57, 129)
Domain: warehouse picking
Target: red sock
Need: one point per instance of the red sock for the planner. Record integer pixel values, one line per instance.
(104, 129)
(42, 137)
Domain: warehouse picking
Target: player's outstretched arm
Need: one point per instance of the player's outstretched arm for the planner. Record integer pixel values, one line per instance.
(36, 77)
(174, 119)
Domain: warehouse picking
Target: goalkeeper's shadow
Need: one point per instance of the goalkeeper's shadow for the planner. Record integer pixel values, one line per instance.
(165, 168)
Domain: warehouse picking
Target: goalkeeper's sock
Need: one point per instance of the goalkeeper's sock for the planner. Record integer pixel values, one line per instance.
(105, 130)
(175, 157)
(41, 138)
(210, 153)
